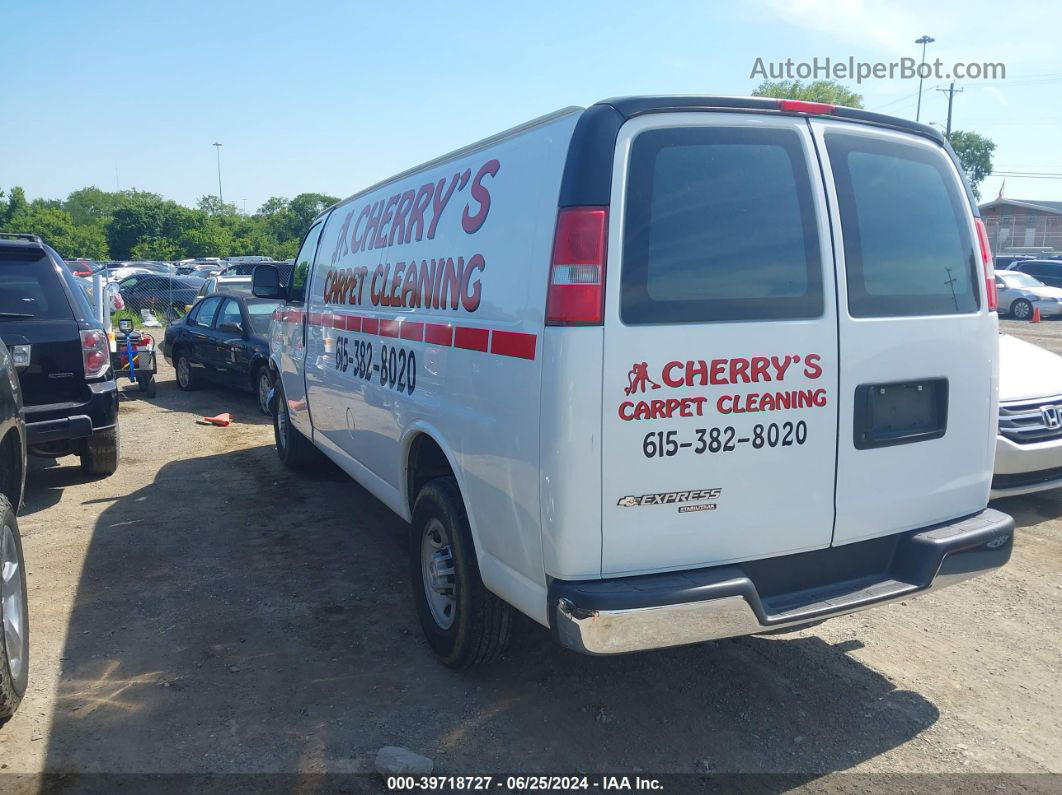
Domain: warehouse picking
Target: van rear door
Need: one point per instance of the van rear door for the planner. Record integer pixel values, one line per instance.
(918, 345)
(720, 352)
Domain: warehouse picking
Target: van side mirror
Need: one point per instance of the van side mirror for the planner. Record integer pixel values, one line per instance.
(265, 282)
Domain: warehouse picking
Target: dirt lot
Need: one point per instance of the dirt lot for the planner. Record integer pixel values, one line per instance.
(207, 611)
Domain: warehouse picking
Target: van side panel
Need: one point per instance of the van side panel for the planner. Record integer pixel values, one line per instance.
(571, 452)
(444, 271)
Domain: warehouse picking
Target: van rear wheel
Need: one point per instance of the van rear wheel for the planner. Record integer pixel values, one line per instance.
(464, 623)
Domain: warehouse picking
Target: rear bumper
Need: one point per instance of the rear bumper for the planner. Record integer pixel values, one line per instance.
(658, 610)
(57, 422)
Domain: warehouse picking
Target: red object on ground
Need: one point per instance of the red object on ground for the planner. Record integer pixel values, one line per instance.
(1035, 315)
(221, 420)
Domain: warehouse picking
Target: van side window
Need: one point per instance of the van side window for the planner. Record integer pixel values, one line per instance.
(300, 274)
(907, 245)
(720, 225)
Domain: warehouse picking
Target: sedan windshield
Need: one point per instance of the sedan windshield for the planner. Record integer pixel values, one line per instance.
(1018, 279)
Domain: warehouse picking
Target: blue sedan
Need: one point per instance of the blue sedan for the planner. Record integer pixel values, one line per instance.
(224, 339)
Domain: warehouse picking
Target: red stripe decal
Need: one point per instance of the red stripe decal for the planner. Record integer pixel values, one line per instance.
(388, 328)
(437, 334)
(411, 331)
(471, 339)
(511, 343)
(354, 323)
(370, 325)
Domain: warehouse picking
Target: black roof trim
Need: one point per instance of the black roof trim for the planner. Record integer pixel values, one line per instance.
(629, 107)
(588, 169)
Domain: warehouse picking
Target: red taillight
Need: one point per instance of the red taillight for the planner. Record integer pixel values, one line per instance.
(95, 353)
(803, 106)
(576, 294)
(987, 264)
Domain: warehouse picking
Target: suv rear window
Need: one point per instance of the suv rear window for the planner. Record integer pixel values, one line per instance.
(30, 288)
(720, 225)
(907, 245)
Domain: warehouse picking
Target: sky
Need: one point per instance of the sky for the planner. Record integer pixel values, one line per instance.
(331, 96)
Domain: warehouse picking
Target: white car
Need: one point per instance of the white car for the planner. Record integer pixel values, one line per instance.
(1029, 445)
(537, 350)
(1018, 293)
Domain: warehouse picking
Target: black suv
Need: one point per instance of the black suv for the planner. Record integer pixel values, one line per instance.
(62, 354)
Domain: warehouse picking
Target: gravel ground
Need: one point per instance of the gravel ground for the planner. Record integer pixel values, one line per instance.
(205, 610)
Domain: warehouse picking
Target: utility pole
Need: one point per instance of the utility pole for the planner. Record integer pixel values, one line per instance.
(923, 40)
(951, 91)
(221, 198)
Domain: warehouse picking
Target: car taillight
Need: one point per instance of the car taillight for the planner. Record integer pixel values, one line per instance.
(576, 295)
(95, 353)
(987, 265)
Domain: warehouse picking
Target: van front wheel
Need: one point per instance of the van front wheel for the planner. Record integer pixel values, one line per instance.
(294, 449)
(464, 623)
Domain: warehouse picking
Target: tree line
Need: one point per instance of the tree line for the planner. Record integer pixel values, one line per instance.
(133, 224)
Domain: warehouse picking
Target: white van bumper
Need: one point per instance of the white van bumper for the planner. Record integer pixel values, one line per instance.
(674, 608)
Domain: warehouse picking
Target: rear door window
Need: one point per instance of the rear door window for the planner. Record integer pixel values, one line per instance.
(720, 225)
(907, 245)
(230, 314)
(30, 288)
(204, 315)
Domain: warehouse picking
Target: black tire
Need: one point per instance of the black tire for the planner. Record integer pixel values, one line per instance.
(12, 682)
(147, 386)
(481, 622)
(294, 449)
(102, 451)
(261, 384)
(187, 379)
(1021, 309)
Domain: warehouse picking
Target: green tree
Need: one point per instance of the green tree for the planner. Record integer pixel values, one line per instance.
(55, 227)
(975, 155)
(161, 248)
(816, 91)
(92, 205)
(212, 205)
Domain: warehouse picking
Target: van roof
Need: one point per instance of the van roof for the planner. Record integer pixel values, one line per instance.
(591, 165)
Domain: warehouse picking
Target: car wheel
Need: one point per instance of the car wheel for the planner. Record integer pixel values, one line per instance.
(263, 383)
(186, 377)
(102, 451)
(14, 614)
(1021, 309)
(294, 449)
(464, 623)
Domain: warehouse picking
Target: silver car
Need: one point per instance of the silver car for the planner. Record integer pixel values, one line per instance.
(1019, 292)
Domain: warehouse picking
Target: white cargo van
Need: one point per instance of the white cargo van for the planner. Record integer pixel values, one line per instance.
(657, 371)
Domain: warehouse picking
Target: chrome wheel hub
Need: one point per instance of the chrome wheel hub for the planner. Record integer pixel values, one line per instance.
(183, 371)
(12, 607)
(438, 575)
